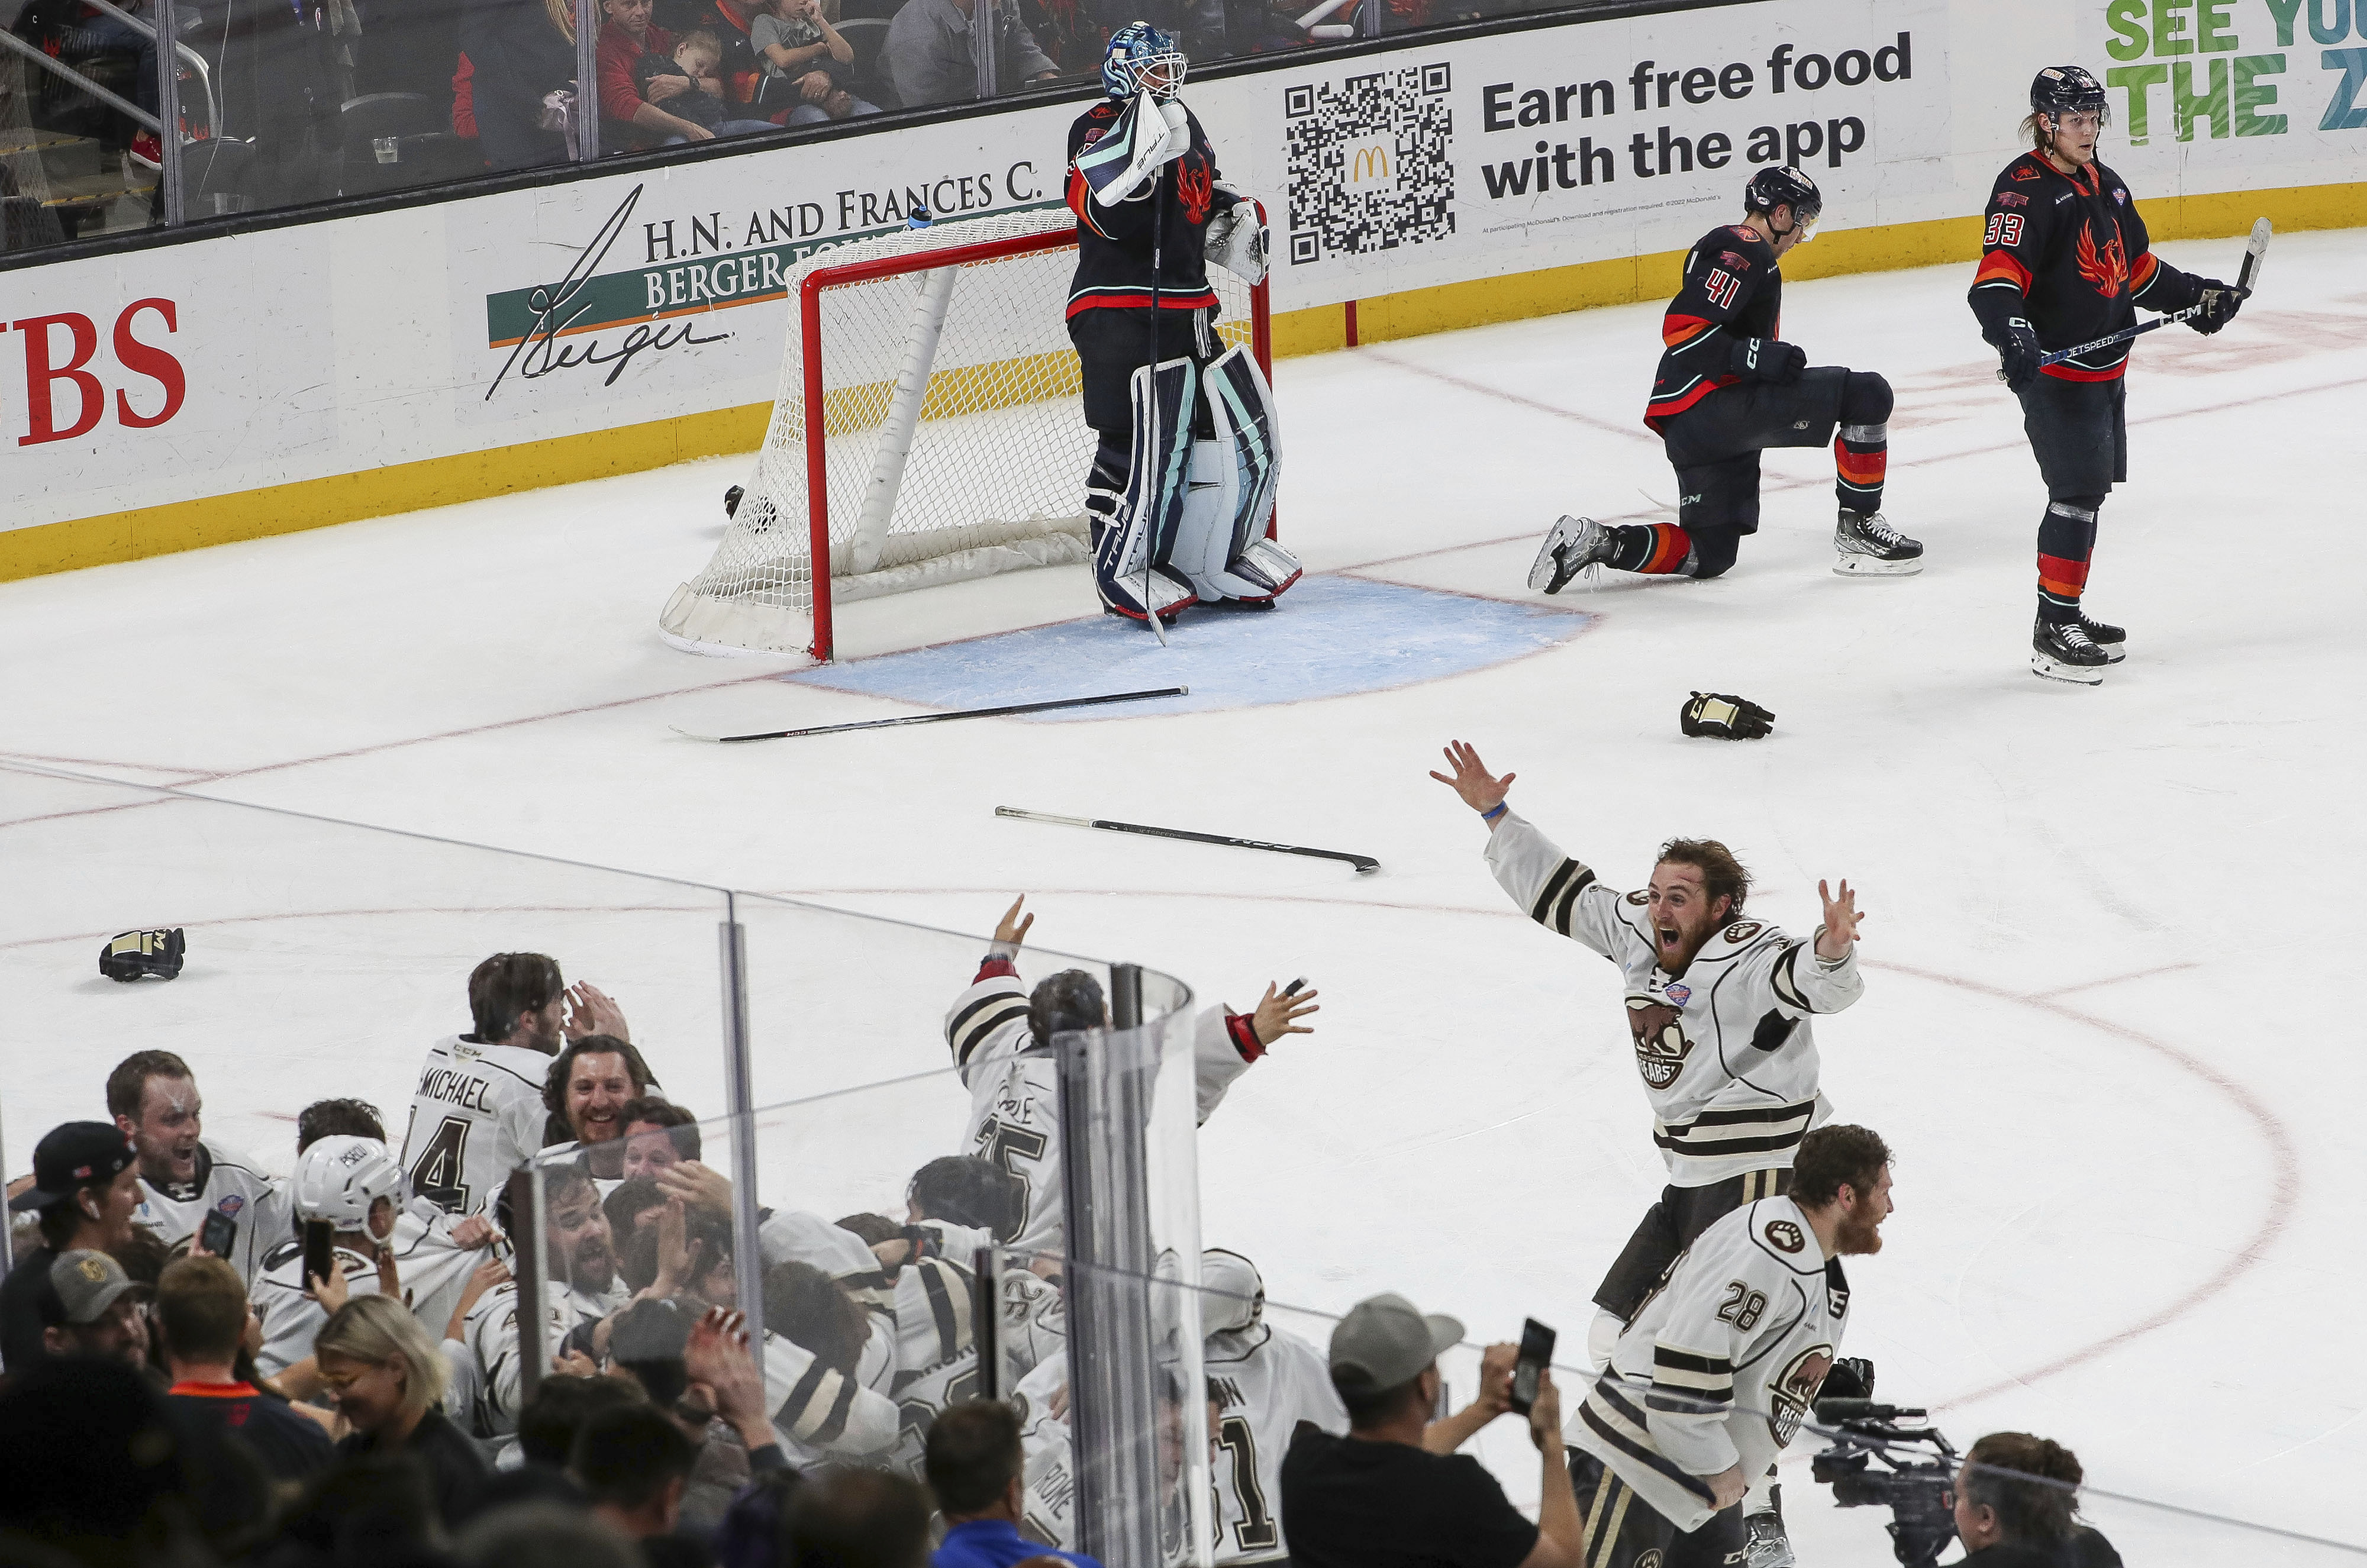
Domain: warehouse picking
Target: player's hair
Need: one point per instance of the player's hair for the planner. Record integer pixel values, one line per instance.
(807, 1307)
(337, 1118)
(1368, 1406)
(1723, 876)
(873, 1228)
(857, 1518)
(625, 1457)
(648, 1341)
(699, 37)
(2028, 1513)
(963, 1190)
(973, 1451)
(1832, 1157)
(201, 1307)
(627, 1205)
(129, 1082)
(554, 1088)
(507, 985)
(547, 1423)
(142, 1256)
(657, 1110)
(377, 1329)
(1068, 1000)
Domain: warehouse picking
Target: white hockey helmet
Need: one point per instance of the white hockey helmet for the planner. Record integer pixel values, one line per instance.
(341, 1178)
(1232, 1294)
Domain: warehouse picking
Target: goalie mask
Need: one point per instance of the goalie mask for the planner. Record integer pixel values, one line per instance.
(341, 1179)
(1142, 59)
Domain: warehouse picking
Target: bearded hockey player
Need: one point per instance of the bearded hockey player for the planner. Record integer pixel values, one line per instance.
(1721, 1365)
(1729, 387)
(1182, 484)
(2065, 259)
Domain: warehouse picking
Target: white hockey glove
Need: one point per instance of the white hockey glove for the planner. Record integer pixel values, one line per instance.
(1236, 240)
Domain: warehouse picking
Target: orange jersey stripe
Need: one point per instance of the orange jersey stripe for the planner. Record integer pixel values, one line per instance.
(2141, 272)
(1670, 547)
(1996, 265)
(2065, 577)
(1677, 329)
(1862, 468)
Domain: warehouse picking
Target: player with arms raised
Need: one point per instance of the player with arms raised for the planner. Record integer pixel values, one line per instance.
(1728, 387)
(1182, 482)
(2065, 259)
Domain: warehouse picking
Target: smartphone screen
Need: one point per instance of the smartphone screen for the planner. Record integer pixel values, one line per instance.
(219, 1233)
(1537, 1352)
(320, 1250)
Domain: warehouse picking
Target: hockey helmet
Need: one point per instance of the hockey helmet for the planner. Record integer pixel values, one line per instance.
(135, 953)
(1142, 59)
(341, 1178)
(2068, 89)
(1786, 187)
(1234, 1298)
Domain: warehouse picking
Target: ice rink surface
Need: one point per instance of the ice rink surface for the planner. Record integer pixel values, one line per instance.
(2112, 950)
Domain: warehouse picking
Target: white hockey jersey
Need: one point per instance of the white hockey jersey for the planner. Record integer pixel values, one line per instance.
(491, 1334)
(228, 1184)
(1727, 1054)
(1264, 1381)
(477, 1115)
(1049, 1511)
(1014, 1098)
(936, 1345)
(785, 1235)
(820, 1413)
(432, 1267)
(1720, 1366)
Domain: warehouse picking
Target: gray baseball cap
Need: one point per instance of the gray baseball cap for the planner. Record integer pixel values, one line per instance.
(87, 1283)
(1386, 1340)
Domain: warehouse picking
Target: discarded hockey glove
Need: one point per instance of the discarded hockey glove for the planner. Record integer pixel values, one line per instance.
(2019, 355)
(2216, 306)
(1724, 718)
(1769, 359)
(137, 953)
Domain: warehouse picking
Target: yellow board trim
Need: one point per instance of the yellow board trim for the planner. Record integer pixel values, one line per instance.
(600, 454)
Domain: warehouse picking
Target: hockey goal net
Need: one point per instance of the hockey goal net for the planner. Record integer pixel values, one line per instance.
(927, 431)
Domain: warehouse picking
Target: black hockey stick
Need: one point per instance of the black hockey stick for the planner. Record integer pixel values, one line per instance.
(1365, 864)
(1158, 227)
(2246, 280)
(940, 717)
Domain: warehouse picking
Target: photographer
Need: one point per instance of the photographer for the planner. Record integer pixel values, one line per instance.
(2008, 1522)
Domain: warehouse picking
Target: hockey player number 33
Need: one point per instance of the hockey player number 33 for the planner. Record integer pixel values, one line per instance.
(2005, 228)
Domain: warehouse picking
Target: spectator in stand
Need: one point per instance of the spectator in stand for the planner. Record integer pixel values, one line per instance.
(100, 1312)
(977, 1467)
(932, 57)
(634, 1462)
(857, 1518)
(184, 1176)
(90, 1472)
(629, 120)
(805, 62)
(697, 54)
(658, 1133)
(202, 1317)
(1394, 1492)
(85, 1189)
(543, 1535)
(386, 1375)
(517, 54)
(2007, 1521)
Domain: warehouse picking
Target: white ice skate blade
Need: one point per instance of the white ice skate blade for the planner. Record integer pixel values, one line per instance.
(2074, 674)
(1848, 564)
(2114, 651)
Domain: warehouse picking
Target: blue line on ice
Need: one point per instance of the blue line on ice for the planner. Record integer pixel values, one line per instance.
(1330, 637)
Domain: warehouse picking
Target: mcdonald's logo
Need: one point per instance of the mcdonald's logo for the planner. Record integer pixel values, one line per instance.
(1369, 163)
(1372, 163)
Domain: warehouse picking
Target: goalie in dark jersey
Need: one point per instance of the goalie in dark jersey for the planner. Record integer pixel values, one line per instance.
(1729, 387)
(2065, 259)
(1182, 484)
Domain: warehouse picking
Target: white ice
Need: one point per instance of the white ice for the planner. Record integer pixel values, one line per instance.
(2113, 941)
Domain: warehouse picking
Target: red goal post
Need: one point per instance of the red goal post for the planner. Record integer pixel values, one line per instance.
(950, 443)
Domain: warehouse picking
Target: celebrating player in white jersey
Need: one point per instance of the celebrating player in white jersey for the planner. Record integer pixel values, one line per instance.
(184, 1176)
(1718, 1008)
(1263, 1382)
(478, 1112)
(1722, 1363)
(583, 1290)
(1002, 1039)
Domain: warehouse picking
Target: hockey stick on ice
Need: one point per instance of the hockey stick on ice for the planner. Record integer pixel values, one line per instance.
(940, 717)
(2246, 281)
(1365, 864)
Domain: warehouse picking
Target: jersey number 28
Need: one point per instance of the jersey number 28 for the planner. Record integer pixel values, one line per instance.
(1743, 1306)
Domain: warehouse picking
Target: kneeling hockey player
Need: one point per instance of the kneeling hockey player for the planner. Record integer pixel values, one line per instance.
(1729, 387)
(1182, 484)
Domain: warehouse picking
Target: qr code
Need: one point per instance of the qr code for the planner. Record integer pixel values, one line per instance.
(1370, 164)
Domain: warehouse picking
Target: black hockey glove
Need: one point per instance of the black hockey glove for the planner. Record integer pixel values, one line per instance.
(137, 953)
(2019, 355)
(2216, 306)
(1769, 359)
(1724, 718)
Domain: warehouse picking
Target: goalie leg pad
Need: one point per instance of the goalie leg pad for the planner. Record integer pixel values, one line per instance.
(1204, 533)
(1141, 538)
(1243, 406)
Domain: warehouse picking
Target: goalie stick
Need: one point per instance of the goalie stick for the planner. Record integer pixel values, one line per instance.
(1365, 864)
(2246, 281)
(939, 717)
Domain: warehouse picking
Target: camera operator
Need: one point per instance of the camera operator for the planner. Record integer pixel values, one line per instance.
(2007, 1522)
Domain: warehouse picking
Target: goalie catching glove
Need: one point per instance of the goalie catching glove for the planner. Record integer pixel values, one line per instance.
(1725, 718)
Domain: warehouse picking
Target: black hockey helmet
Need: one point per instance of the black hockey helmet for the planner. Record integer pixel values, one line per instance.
(1786, 186)
(2068, 89)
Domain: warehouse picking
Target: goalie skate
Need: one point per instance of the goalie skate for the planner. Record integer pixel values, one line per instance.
(1571, 546)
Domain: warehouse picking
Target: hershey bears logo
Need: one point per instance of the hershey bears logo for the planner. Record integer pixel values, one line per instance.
(1796, 1391)
(1784, 1236)
(1637, 897)
(1742, 931)
(1660, 1044)
(1649, 1559)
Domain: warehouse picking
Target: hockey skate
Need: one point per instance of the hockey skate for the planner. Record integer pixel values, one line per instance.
(1571, 546)
(2066, 652)
(1867, 546)
(2111, 639)
(1764, 1543)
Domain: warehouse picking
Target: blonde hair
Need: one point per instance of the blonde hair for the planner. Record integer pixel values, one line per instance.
(377, 1329)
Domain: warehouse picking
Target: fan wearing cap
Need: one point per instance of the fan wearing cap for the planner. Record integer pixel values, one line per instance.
(100, 1311)
(1385, 1495)
(85, 1189)
(2065, 259)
